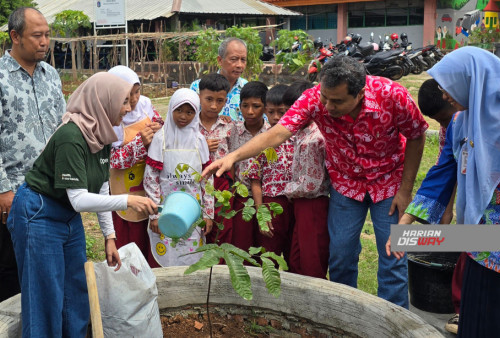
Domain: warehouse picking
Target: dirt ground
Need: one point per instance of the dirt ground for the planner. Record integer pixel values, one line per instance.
(196, 325)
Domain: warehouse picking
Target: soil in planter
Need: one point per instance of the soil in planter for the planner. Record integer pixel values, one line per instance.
(194, 325)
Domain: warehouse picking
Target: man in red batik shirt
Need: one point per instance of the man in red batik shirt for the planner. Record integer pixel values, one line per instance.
(374, 136)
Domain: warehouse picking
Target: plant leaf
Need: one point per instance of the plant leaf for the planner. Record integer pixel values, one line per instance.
(276, 208)
(210, 258)
(263, 216)
(239, 275)
(249, 202)
(271, 277)
(280, 260)
(227, 215)
(254, 251)
(247, 213)
(227, 195)
(238, 252)
(242, 190)
(196, 176)
(270, 154)
(209, 188)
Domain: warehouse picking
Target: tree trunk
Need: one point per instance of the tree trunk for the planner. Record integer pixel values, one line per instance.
(73, 60)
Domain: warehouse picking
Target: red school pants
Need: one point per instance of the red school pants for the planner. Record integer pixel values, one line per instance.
(243, 231)
(283, 225)
(456, 281)
(310, 240)
(128, 232)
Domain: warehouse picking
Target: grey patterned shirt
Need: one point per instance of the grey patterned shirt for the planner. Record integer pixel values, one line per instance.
(30, 111)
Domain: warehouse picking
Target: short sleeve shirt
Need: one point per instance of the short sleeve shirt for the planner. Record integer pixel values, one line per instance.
(365, 155)
(232, 106)
(67, 163)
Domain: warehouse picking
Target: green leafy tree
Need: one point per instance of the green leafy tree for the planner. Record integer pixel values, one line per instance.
(7, 6)
(4, 41)
(207, 45)
(233, 256)
(292, 58)
(71, 23)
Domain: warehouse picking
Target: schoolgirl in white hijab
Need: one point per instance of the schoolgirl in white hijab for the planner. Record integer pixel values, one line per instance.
(179, 141)
(128, 155)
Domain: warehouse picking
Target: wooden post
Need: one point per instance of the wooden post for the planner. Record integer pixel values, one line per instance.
(73, 59)
(95, 309)
(96, 56)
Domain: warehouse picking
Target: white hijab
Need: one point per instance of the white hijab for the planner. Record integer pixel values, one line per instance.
(188, 137)
(142, 109)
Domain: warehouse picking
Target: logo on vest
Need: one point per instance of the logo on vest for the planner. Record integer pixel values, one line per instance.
(104, 160)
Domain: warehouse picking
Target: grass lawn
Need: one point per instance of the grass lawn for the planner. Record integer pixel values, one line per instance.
(368, 260)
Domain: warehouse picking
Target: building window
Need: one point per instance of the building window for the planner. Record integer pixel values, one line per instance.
(386, 13)
(315, 17)
(298, 23)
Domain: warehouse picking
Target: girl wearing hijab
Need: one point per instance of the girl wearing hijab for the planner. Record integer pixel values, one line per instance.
(179, 141)
(128, 156)
(468, 79)
(70, 176)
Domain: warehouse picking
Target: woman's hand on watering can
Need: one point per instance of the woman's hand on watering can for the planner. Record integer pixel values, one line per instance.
(112, 255)
(208, 225)
(142, 204)
(153, 225)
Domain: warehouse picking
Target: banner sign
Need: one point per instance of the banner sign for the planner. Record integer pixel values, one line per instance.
(448, 237)
(109, 12)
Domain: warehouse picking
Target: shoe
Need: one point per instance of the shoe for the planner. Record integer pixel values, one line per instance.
(452, 325)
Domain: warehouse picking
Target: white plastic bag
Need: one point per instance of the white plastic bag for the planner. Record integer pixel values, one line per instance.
(128, 297)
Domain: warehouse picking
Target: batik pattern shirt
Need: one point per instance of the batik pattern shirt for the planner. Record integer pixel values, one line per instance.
(366, 154)
(276, 175)
(30, 111)
(129, 154)
(232, 107)
(309, 176)
(432, 197)
(237, 139)
(220, 130)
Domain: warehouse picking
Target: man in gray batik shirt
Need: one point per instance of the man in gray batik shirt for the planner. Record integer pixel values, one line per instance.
(31, 106)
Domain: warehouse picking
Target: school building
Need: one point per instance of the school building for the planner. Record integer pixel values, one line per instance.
(447, 23)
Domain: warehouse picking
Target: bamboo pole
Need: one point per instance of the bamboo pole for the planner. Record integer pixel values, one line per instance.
(95, 309)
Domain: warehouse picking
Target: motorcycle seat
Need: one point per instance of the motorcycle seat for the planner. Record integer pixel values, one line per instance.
(382, 55)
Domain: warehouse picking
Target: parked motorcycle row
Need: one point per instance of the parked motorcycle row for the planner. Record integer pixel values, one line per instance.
(388, 58)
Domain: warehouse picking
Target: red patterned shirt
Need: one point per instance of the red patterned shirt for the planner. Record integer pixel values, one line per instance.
(220, 130)
(237, 139)
(127, 155)
(274, 176)
(309, 176)
(442, 139)
(366, 154)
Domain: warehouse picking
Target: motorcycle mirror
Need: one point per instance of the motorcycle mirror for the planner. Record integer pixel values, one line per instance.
(386, 38)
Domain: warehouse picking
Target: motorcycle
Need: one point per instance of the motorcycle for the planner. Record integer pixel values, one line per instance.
(322, 55)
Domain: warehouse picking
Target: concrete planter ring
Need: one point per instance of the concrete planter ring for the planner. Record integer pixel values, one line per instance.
(333, 309)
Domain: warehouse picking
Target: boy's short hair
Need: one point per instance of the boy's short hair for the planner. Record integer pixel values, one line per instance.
(275, 94)
(254, 89)
(430, 98)
(295, 90)
(214, 82)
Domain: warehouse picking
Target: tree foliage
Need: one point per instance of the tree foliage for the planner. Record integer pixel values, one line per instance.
(208, 44)
(233, 256)
(7, 6)
(292, 58)
(69, 23)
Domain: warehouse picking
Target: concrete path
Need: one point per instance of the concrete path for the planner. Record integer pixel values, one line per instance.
(438, 320)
